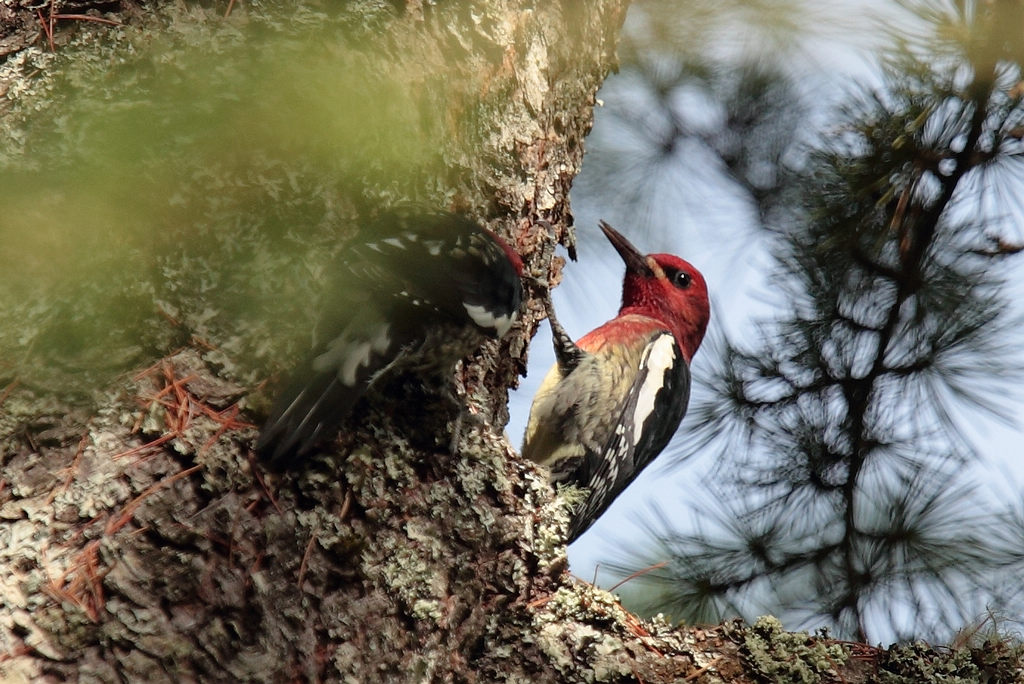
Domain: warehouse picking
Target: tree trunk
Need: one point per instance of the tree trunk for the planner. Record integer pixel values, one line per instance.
(142, 542)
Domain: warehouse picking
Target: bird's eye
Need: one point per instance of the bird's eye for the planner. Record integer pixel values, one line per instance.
(682, 280)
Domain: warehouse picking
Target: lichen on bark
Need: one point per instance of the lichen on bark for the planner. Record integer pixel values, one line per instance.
(175, 188)
(147, 540)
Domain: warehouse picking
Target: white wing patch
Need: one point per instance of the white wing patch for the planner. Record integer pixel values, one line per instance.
(659, 359)
(381, 340)
(347, 356)
(358, 354)
(485, 318)
(396, 242)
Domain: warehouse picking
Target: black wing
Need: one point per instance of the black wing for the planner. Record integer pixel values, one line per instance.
(403, 273)
(650, 415)
(444, 262)
(326, 387)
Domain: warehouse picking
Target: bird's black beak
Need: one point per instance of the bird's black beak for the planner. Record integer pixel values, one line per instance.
(635, 261)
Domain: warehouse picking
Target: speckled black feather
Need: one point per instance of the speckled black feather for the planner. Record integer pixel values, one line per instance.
(404, 275)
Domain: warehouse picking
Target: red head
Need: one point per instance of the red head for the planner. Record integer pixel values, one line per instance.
(666, 288)
(513, 255)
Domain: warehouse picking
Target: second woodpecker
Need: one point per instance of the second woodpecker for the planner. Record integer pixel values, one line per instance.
(614, 399)
(416, 291)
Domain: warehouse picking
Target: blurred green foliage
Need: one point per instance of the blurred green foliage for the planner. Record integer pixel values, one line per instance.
(192, 178)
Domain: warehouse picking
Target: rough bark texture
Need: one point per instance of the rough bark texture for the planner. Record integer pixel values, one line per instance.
(140, 541)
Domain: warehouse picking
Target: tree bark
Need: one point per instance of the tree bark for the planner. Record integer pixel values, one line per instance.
(142, 542)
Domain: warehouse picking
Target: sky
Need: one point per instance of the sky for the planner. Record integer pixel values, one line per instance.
(715, 233)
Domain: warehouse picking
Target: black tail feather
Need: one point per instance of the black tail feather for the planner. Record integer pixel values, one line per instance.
(305, 413)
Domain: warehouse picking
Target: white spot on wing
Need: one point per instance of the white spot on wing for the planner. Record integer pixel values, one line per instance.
(358, 355)
(503, 324)
(486, 318)
(659, 358)
(394, 242)
(381, 340)
(330, 358)
(347, 356)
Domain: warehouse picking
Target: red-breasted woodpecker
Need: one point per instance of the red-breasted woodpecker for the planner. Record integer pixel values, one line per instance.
(614, 399)
(418, 291)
